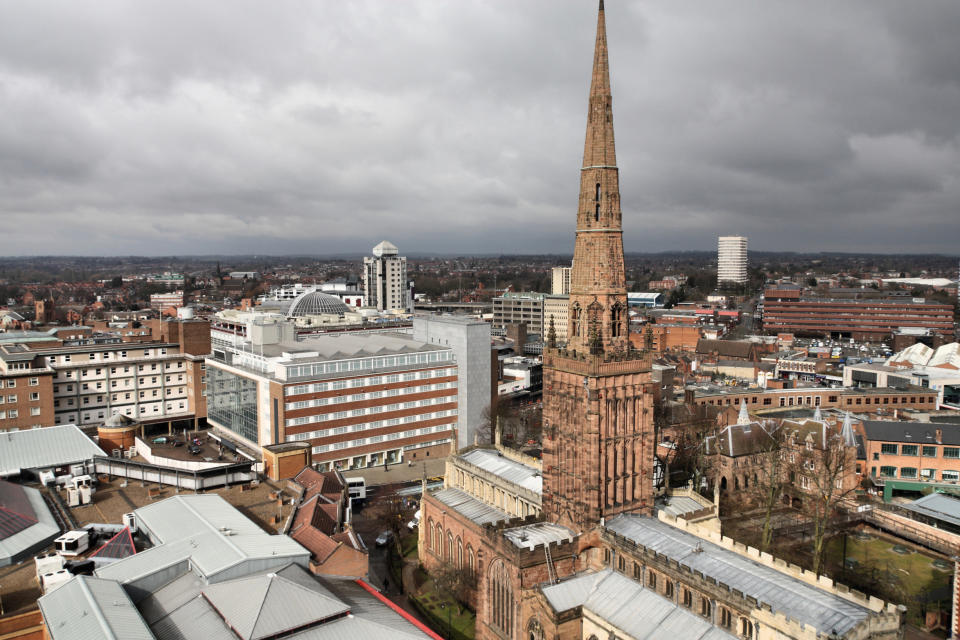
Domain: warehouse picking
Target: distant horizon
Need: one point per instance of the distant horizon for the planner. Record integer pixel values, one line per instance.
(423, 255)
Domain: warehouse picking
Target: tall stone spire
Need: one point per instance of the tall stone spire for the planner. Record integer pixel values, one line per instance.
(598, 295)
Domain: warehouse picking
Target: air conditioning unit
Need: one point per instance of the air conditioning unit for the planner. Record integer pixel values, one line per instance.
(130, 521)
(54, 579)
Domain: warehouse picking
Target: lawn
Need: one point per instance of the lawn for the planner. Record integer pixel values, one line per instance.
(874, 567)
(441, 609)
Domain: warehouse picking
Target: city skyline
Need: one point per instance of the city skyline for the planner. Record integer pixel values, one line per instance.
(172, 131)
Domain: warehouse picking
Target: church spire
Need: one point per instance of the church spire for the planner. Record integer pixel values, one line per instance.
(598, 296)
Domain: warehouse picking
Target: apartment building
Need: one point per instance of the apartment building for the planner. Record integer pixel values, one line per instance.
(385, 278)
(520, 307)
(560, 281)
(359, 400)
(556, 308)
(84, 381)
(912, 450)
(732, 259)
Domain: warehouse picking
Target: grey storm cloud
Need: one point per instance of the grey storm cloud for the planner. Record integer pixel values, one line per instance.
(175, 127)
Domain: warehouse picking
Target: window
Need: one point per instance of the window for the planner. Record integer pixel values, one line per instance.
(34, 397)
(951, 452)
(725, 618)
(34, 411)
(500, 597)
(950, 475)
(705, 607)
(668, 588)
(746, 628)
(687, 597)
(929, 452)
(11, 384)
(908, 472)
(34, 382)
(888, 472)
(889, 449)
(909, 450)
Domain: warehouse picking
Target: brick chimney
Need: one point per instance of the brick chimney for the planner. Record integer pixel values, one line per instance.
(939, 436)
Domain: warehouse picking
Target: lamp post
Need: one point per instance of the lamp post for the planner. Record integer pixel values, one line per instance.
(443, 605)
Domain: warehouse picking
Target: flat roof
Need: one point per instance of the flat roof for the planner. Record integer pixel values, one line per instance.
(341, 346)
(44, 448)
(785, 594)
(529, 536)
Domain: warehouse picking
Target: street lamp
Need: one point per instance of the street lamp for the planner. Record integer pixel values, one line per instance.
(443, 605)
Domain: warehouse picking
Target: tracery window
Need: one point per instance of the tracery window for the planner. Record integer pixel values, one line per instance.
(501, 598)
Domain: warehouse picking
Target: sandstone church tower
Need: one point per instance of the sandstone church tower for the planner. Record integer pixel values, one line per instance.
(598, 395)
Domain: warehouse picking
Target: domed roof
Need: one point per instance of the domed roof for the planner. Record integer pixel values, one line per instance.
(316, 303)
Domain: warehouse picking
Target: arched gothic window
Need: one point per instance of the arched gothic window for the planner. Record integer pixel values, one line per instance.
(574, 319)
(535, 630)
(430, 542)
(459, 554)
(501, 598)
(439, 540)
(449, 547)
(616, 321)
(471, 562)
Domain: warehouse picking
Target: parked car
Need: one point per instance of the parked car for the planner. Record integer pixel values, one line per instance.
(413, 524)
(194, 449)
(384, 538)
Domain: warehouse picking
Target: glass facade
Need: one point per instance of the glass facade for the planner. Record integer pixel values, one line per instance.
(232, 402)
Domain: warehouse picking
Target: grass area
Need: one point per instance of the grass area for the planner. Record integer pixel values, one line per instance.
(874, 567)
(441, 610)
(408, 546)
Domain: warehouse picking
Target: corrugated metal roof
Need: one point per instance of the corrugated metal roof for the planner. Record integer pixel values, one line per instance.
(627, 605)
(87, 608)
(353, 628)
(530, 535)
(468, 506)
(44, 448)
(939, 506)
(679, 505)
(364, 605)
(264, 605)
(510, 470)
(194, 619)
(39, 525)
(206, 529)
(793, 597)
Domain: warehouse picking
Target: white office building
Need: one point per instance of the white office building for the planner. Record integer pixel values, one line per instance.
(732, 259)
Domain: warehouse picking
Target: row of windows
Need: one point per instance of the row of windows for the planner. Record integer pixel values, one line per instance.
(355, 413)
(320, 387)
(359, 442)
(15, 413)
(373, 395)
(12, 383)
(85, 386)
(34, 397)
(814, 401)
(928, 451)
(364, 364)
(106, 355)
(86, 418)
(686, 597)
(98, 371)
(914, 473)
(171, 393)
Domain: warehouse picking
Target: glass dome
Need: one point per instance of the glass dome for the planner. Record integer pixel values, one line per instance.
(316, 303)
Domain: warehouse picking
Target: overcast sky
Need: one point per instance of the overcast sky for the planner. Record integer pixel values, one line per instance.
(186, 127)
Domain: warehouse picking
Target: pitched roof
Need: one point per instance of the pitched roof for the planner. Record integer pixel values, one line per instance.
(42, 448)
(627, 605)
(16, 513)
(266, 605)
(785, 594)
(741, 440)
(86, 608)
(911, 432)
(726, 348)
(117, 547)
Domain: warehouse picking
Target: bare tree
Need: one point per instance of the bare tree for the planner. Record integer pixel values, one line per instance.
(820, 466)
(769, 487)
(456, 582)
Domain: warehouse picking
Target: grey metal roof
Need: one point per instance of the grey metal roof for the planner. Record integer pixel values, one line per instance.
(679, 505)
(510, 470)
(910, 432)
(193, 619)
(625, 604)
(206, 529)
(939, 506)
(795, 598)
(41, 530)
(365, 605)
(265, 605)
(44, 448)
(87, 608)
(468, 506)
(530, 535)
(355, 629)
(341, 346)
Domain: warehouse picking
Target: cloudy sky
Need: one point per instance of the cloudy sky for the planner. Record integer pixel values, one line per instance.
(187, 127)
